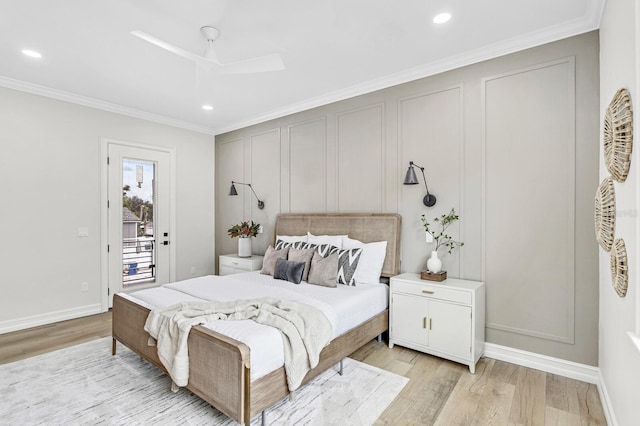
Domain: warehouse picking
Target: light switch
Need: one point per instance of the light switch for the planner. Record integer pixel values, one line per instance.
(83, 232)
(428, 237)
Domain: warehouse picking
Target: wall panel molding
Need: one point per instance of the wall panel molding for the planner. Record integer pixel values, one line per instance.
(360, 147)
(304, 151)
(514, 147)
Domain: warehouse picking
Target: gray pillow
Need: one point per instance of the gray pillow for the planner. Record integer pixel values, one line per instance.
(324, 270)
(271, 257)
(303, 255)
(289, 270)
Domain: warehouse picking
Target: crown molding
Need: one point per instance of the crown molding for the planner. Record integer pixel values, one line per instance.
(61, 95)
(589, 22)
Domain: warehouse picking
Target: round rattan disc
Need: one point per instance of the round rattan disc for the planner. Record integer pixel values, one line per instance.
(605, 213)
(619, 267)
(618, 135)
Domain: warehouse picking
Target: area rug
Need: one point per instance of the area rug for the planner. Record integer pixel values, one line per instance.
(85, 385)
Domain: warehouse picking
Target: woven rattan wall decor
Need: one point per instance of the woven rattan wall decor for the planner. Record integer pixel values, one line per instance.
(619, 268)
(618, 135)
(605, 213)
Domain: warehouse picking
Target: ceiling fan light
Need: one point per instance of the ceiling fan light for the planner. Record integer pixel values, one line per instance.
(207, 107)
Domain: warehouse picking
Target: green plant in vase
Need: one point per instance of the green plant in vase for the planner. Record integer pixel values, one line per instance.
(440, 237)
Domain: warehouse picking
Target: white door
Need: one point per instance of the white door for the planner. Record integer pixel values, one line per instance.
(409, 319)
(138, 217)
(450, 328)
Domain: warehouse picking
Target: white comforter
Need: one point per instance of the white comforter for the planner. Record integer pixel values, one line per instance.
(345, 306)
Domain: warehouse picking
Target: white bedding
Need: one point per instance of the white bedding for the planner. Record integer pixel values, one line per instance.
(345, 307)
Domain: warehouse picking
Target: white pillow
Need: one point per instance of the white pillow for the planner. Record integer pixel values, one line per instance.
(371, 260)
(334, 240)
(292, 238)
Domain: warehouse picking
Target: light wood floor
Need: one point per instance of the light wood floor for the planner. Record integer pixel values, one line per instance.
(439, 392)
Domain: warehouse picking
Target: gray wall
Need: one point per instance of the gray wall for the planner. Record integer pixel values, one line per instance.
(50, 169)
(511, 143)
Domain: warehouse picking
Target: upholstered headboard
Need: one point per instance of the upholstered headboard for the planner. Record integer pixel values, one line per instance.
(366, 227)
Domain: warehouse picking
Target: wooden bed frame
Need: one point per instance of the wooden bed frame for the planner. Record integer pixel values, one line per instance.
(220, 367)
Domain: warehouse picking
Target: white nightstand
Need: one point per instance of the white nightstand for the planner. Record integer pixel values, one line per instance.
(233, 264)
(443, 319)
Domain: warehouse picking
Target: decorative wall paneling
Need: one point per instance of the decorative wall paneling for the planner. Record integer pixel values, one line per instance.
(265, 157)
(229, 210)
(430, 133)
(511, 143)
(360, 143)
(307, 171)
(529, 200)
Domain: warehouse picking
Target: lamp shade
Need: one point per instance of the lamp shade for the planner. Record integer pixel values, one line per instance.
(232, 190)
(410, 178)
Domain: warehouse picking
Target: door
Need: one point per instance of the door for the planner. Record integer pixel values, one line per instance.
(450, 331)
(409, 318)
(138, 217)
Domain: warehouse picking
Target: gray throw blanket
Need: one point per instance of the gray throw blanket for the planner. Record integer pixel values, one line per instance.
(305, 331)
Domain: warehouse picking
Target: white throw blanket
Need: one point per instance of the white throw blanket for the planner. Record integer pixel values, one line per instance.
(305, 331)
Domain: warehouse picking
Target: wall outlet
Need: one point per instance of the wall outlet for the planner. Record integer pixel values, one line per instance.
(84, 286)
(428, 237)
(193, 270)
(83, 232)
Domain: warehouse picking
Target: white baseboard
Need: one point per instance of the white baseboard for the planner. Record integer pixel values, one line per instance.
(606, 402)
(48, 318)
(548, 364)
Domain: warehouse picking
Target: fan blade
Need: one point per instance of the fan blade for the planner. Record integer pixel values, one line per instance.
(173, 49)
(258, 64)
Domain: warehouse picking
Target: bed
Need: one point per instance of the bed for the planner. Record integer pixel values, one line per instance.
(220, 367)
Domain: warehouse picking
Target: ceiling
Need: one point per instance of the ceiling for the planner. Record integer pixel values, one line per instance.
(332, 50)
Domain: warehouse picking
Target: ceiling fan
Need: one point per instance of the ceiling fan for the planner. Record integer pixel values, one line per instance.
(266, 63)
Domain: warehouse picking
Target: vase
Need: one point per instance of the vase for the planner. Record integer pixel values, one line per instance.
(244, 247)
(434, 264)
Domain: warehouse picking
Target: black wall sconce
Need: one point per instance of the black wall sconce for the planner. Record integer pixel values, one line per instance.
(232, 191)
(410, 178)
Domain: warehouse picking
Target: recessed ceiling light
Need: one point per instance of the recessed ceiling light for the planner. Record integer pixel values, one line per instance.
(31, 53)
(442, 18)
(207, 107)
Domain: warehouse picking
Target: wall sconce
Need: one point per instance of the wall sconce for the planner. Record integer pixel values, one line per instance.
(232, 191)
(410, 178)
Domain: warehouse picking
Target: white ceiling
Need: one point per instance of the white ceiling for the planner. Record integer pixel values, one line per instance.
(332, 49)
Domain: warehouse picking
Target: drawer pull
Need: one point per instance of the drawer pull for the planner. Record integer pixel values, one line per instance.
(430, 323)
(235, 263)
(428, 291)
(424, 322)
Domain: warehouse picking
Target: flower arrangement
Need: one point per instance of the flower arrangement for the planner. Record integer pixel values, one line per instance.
(441, 238)
(244, 230)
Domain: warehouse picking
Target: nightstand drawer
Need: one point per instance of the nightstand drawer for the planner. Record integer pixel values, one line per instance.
(433, 291)
(235, 262)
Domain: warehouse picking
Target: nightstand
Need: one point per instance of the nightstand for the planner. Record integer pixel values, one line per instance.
(443, 319)
(233, 264)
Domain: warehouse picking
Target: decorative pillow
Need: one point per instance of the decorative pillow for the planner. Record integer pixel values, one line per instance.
(347, 265)
(302, 255)
(280, 244)
(334, 240)
(291, 238)
(288, 270)
(323, 270)
(371, 260)
(271, 257)
(324, 250)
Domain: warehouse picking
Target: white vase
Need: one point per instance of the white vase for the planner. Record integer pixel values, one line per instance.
(434, 264)
(244, 247)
